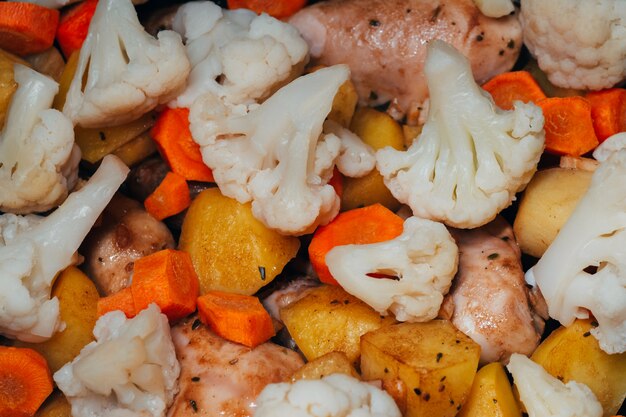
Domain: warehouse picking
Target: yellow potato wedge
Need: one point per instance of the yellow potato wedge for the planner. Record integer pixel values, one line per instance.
(547, 203)
(78, 300)
(571, 353)
(330, 363)
(328, 319)
(378, 130)
(435, 362)
(491, 394)
(230, 249)
(56, 405)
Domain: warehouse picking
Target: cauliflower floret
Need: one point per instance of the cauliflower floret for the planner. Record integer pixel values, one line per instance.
(423, 259)
(578, 43)
(236, 55)
(128, 72)
(593, 236)
(471, 157)
(38, 158)
(609, 146)
(34, 249)
(130, 370)
(278, 156)
(335, 395)
(545, 396)
(495, 8)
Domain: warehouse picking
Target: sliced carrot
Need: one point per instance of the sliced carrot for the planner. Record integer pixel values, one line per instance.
(238, 318)
(336, 181)
(508, 87)
(27, 28)
(370, 224)
(568, 125)
(169, 198)
(121, 300)
(279, 9)
(74, 25)
(608, 111)
(173, 138)
(25, 381)
(168, 279)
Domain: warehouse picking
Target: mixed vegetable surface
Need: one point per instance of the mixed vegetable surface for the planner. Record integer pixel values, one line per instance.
(342, 208)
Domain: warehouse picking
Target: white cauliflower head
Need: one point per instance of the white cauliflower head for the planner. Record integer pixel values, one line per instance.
(610, 145)
(128, 72)
(236, 55)
(495, 8)
(594, 236)
(34, 249)
(277, 155)
(130, 370)
(545, 396)
(578, 43)
(471, 157)
(335, 395)
(422, 260)
(38, 158)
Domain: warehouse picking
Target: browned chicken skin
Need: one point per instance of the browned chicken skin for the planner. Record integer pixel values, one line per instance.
(127, 232)
(221, 378)
(384, 43)
(489, 300)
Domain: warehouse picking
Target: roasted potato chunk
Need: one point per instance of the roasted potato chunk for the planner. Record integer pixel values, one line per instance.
(78, 300)
(230, 249)
(56, 405)
(571, 353)
(344, 104)
(548, 201)
(329, 319)
(378, 130)
(330, 363)
(491, 394)
(435, 362)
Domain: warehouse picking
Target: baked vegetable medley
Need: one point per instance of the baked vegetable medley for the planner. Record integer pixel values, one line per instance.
(335, 208)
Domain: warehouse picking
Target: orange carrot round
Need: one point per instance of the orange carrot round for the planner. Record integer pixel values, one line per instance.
(279, 9)
(608, 111)
(74, 25)
(26, 28)
(568, 125)
(508, 87)
(238, 318)
(169, 198)
(173, 138)
(370, 224)
(25, 381)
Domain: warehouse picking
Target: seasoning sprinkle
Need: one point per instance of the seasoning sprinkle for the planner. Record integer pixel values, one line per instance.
(193, 405)
(495, 401)
(586, 334)
(374, 23)
(417, 391)
(195, 379)
(439, 356)
(493, 256)
(102, 136)
(426, 396)
(233, 361)
(262, 272)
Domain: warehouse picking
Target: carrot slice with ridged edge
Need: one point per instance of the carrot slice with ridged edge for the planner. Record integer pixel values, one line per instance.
(608, 111)
(27, 28)
(508, 87)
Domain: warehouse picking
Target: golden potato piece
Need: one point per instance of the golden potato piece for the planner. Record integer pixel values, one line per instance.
(571, 353)
(329, 319)
(548, 201)
(7, 82)
(330, 363)
(434, 360)
(230, 249)
(56, 405)
(491, 394)
(136, 150)
(344, 104)
(378, 130)
(78, 300)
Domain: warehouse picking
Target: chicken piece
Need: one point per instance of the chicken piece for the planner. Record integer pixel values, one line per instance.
(384, 43)
(489, 300)
(222, 378)
(126, 233)
(286, 293)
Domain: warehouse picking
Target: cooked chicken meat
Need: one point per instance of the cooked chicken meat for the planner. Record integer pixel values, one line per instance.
(489, 300)
(384, 43)
(221, 378)
(126, 233)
